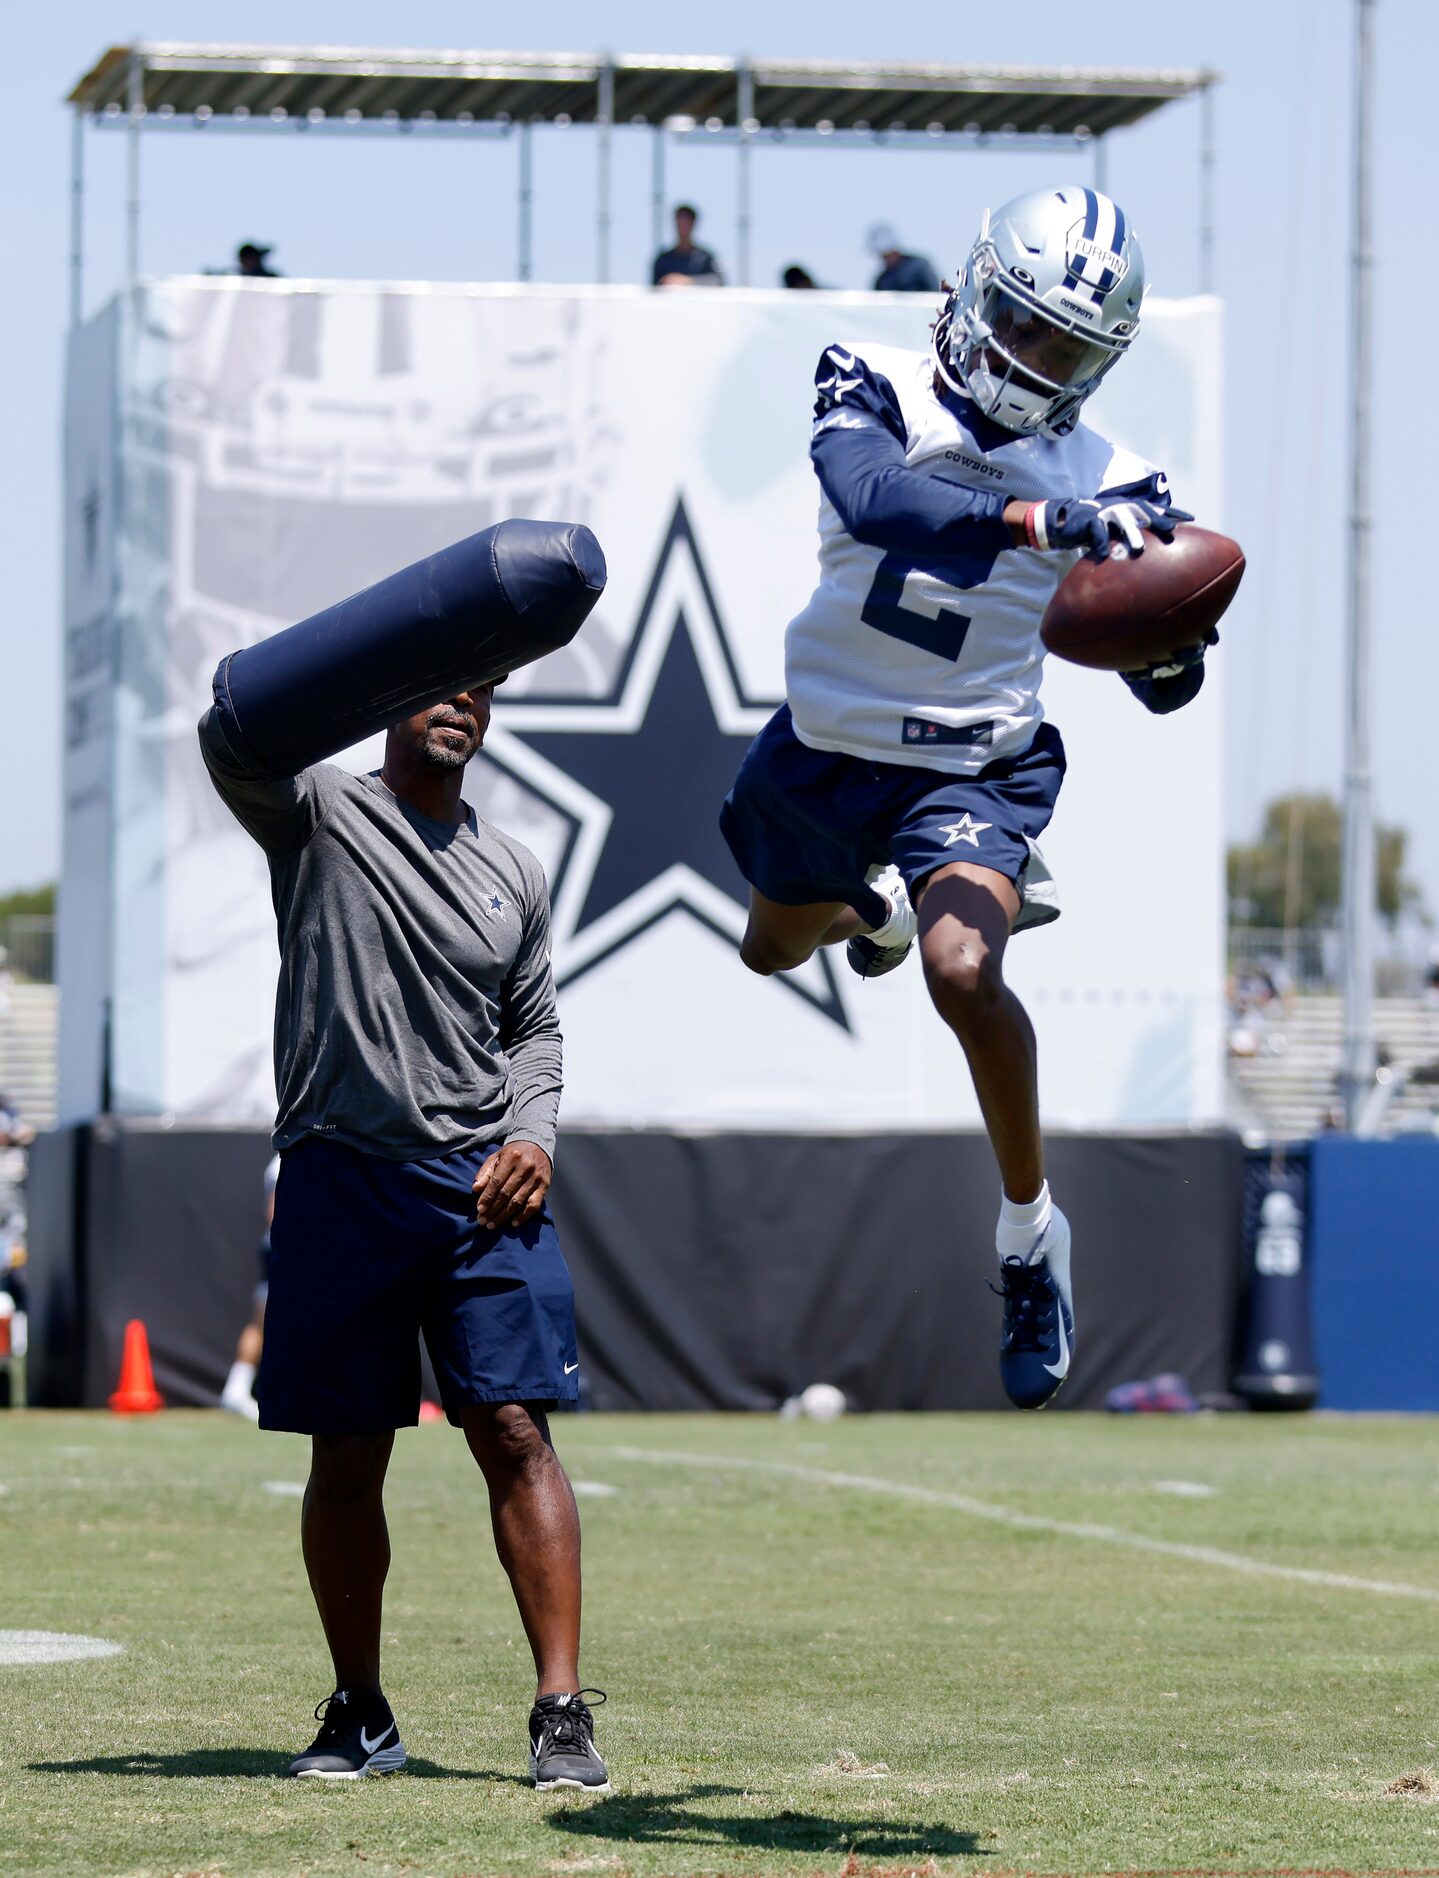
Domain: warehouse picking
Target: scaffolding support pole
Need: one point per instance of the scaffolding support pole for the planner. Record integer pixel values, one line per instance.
(135, 91)
(1101, 165)
(1206, 188)
(605, 125)
(657, 189)
(1359, 877)
(744, 108)
(526, 202)
(77, 218)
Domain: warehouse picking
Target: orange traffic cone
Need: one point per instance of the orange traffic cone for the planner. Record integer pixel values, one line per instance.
(137, 1394)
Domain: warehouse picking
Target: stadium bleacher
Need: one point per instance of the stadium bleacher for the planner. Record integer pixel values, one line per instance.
(1287, 1090)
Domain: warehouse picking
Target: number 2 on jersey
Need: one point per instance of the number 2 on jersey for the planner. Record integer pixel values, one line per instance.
(902, 600)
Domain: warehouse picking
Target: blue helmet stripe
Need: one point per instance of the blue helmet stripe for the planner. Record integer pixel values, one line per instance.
(1108, 279)
(1091, 222)
(1115, 240)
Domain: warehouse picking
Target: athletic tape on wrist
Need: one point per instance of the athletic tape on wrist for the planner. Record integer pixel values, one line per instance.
(1035, 531)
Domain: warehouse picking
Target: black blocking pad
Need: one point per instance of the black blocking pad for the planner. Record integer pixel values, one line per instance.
(468, 615)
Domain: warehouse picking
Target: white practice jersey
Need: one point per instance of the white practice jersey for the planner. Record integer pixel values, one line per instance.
(921, 642)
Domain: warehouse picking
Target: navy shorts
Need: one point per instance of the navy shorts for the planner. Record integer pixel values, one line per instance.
(370, 1253)
(808, 825)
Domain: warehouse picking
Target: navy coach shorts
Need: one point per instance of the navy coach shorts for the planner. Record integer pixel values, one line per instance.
(368, 1254)
(808, 825)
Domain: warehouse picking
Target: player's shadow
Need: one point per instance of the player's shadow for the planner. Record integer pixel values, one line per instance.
(237, 1764)
(674, 1818)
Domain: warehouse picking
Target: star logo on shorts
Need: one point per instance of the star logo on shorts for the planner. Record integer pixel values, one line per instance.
(497, 905)
(965, 829)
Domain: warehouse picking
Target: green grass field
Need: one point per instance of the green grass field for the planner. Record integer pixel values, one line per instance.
(826, 1648)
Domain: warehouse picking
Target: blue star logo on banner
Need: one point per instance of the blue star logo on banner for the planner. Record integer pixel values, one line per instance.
(639, 775)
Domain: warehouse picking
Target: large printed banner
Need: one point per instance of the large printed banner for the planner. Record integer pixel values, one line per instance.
(273, 447)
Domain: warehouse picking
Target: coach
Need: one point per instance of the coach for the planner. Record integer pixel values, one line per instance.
(418, 1070)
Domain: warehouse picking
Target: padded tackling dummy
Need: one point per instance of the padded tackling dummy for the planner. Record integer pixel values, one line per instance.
(468, 615)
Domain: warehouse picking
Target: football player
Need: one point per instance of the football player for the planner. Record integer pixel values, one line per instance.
(902, 787)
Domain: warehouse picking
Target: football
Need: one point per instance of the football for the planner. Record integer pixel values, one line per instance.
(1134, 610)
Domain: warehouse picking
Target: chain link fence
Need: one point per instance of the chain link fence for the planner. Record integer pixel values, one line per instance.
(29, 947)
(1311, 958)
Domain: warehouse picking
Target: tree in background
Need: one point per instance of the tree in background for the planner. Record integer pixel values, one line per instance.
(27, 937)
(1290, 877)
(28, 900)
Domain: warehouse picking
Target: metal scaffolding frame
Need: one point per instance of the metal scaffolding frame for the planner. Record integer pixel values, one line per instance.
(323, 90)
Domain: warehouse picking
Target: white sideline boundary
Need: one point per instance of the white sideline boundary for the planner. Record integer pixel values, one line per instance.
(1032, 1522)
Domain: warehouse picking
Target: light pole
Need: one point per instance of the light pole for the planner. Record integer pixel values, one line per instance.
(1360, 884)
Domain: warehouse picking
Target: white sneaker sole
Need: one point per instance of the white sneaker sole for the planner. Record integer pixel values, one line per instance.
(386, 1761)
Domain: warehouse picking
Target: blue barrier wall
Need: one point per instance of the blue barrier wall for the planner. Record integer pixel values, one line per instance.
(1374, 1256)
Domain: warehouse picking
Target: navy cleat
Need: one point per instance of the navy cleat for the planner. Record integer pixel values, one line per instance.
(872, 954)
(562, 1743)
(1038, 1340)
(357, 1737)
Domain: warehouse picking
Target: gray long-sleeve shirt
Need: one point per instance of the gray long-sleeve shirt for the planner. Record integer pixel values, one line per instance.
(416, 1004)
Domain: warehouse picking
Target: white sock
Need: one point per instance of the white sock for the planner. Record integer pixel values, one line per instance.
(1021, 1223)
(899, 926)
(240, 1382)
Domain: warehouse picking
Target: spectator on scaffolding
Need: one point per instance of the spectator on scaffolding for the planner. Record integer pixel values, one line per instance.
(252, 262)
(798, 277)
(899, 272)
(686, 264)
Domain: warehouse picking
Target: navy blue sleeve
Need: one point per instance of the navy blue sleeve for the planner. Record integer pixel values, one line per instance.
(857, 448)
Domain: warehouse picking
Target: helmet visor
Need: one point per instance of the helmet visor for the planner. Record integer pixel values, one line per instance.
(1054, 357)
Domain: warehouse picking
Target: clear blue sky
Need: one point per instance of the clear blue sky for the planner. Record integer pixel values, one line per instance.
(377, 208)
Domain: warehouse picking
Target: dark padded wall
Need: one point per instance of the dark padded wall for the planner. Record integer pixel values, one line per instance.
(1374, 1252)
(713, 1271)
(727, 1271)
(169, 1231)
(55, 1274)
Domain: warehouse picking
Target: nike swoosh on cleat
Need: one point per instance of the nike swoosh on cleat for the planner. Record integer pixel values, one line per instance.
(1060, 1369)
(368, 1745)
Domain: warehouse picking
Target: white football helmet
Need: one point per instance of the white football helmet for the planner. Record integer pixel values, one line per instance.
(1048, 300)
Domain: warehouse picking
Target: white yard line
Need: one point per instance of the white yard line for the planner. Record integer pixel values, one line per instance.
(20, 1648)
(1032, 1522)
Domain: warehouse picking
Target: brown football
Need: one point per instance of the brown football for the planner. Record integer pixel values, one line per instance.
(1136, 609)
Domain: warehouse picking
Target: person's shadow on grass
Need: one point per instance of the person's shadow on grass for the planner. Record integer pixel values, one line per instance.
(674, 1818)
(637, 1817)
(238, 1764)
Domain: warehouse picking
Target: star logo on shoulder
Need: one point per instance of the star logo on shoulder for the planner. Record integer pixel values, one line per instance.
(833, 388)
(965, 829)
(497, 905)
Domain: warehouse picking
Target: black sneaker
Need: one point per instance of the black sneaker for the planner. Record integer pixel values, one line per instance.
(562, 1743)
(1038, 1340)
(357, 1737)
